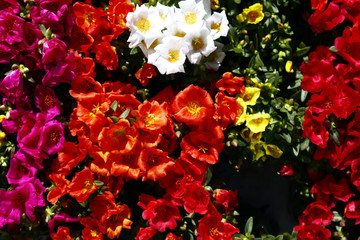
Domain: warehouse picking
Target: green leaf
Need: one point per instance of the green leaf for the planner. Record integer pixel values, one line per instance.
(43, 29)
(303, 95)
(249, 225)
(333, 49)
(335, 137)
(98, 183)
(280, 237)
(134, 51)
(208, 176)
(237, 1)
(305, 144)
(114, 119)
(337, 217)
(296, 150)
(114, 105)
(287, 137)
(125, 114)
(301, 51)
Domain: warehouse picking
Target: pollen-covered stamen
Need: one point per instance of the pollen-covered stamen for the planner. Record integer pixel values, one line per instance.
(197, 43)
(88, 185)
(55, 137)
(214, 232)
(48, 101)
(328, 105)
(193, 107)
(174, 56)
(257, 120)
(149, 119)
(143, 25)
(252, 15)
(190, 18)
(215, 26)
(96, 108)
(203, 148)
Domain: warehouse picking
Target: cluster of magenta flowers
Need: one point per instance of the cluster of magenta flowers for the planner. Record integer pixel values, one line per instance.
(32, 39)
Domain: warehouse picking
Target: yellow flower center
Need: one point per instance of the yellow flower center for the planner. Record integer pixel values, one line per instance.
(48, 101)
(193, 107)
(174, 56)
(88, 185)
(197, 44)
(257, 120)
(190, 18)
(214, 232)
(96, 108)
(180, 34)
(55, 137)
(215, 26)
(148, 119)
(202, 148)
(94, 233)
(143, 25)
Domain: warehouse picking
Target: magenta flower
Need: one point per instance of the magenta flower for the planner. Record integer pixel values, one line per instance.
(52, 137)
(47, 101)
(14, 124)
(20, 172)
(39, 190)
(11, 28)
(10, 6)
(60, 66)
(11, 87)
(7, 52)
(23, 199)
(60, 218)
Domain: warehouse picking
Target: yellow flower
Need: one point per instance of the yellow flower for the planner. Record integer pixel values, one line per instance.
(289, 67)
(2, 136)
(249, 136)
(2, 117)
(241, 117)
(254, 14)
(250, 95)
(215, 4)
(256, 149)
(257, 122)
(273, 150)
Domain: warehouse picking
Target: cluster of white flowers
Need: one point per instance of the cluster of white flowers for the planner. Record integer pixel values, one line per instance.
(167, 35)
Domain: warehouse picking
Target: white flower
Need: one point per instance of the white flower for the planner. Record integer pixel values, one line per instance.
(216, 57)
(191, 15)
(167, 14)
(218, 24)
(172, 55)
(199, 43)
(145, 25)
(150, 52)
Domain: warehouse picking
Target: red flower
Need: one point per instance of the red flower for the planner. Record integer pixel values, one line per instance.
(327, 19)
(63, 233)
(84, 85)
(150, 117)
(355, 173)
(102, 206)
(211, 227)
(231, 84)
(317, 213)
(93, 230)
(145, 74)
(286, 169)
(126, 164)
(160, 213)
(348, 46)
(106, 55)
(315, 130)
(228, 109)
(154, 162)
(61, 188)
(319, 5)
(312, 232)
(318, 74)
(118, 138)
(172, 236)
(117, 12)
(352, 210)
(327, 190)
(196, 198)
(226, 199)
(193, 105)
(145, 233)
(82, 185)
(117, 220)
(202, 146)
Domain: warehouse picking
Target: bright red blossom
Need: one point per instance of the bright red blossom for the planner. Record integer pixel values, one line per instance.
(82, 185)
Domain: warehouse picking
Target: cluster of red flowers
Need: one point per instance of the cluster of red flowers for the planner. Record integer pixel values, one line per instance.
(128, 140)
(332, 120)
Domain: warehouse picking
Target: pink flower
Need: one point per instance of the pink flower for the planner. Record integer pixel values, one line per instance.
(160, 213)
(47, 101)
(52, 137)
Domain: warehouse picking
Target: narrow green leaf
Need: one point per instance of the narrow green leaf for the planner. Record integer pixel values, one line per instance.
(287, 137)
(208, 176)
(98, 183)
(114, 105)
(335, 136)
(125, 113)
(114, 119)
(280, 237)
(249, 225)
(296, 150)
(303, 95)
(43, 29)
(301, 51)
(305, 144)
(134, 51)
